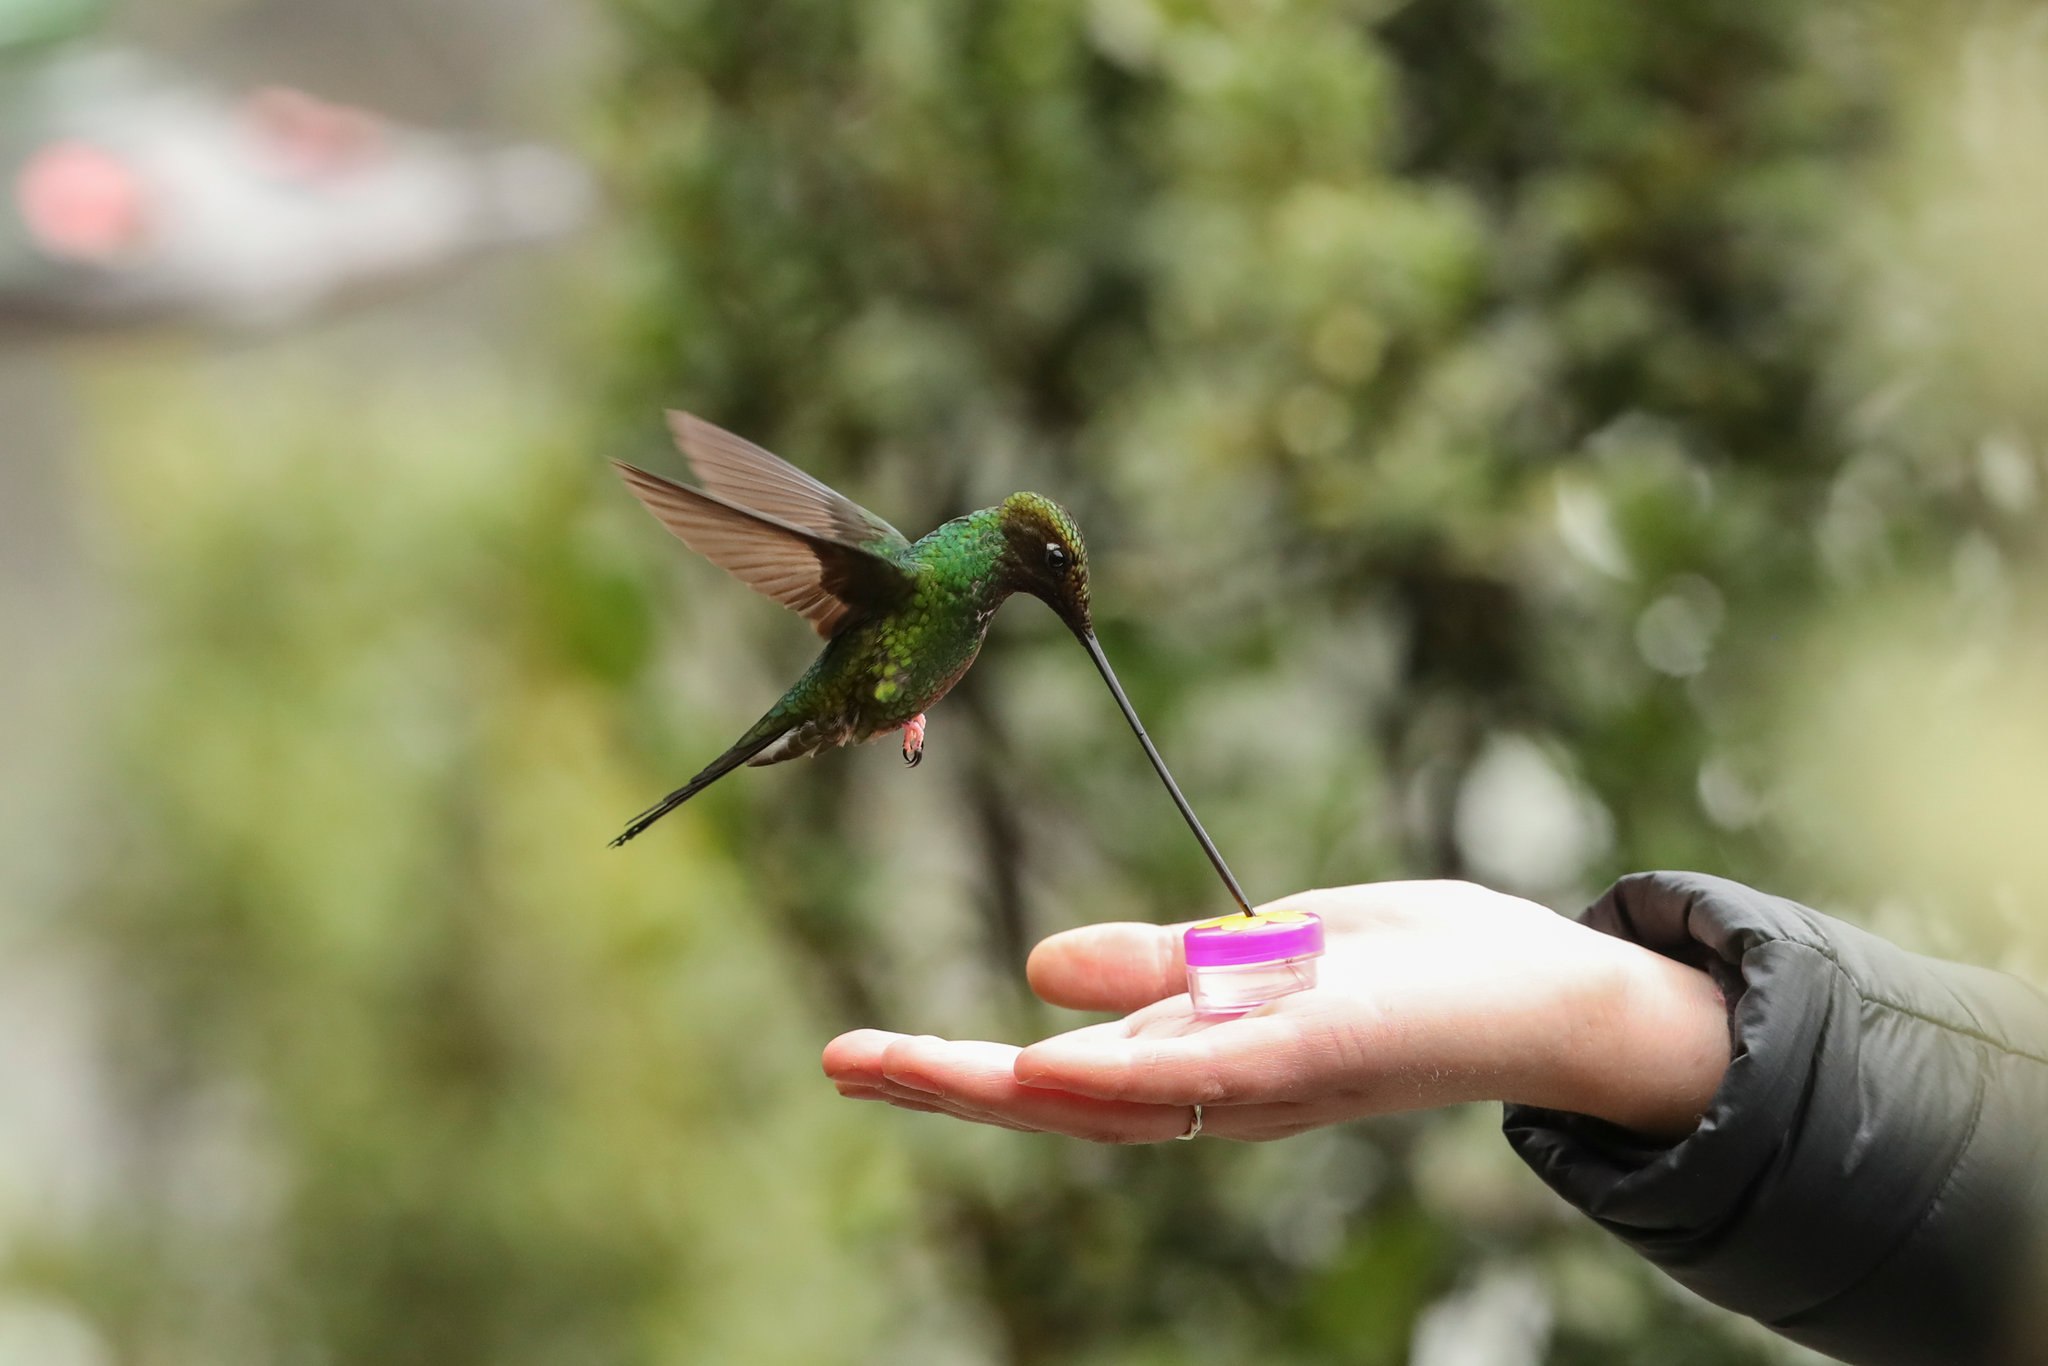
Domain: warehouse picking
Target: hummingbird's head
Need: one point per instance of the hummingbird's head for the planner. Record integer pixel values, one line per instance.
(1045, 557)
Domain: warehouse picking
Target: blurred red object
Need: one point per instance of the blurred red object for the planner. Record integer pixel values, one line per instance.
(146, 196)
(81, 202)
(312, 137)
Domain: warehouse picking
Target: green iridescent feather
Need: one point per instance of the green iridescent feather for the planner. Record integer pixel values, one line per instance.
(903, 620)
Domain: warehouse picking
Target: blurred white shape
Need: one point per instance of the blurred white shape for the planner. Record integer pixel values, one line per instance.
(1958, 299)
(1467, 1178)
(534, 193)
(2008, 474)
(1524, 823)
(1126, 31)
(1910, 751)
(60, 1152)
(1727, 797)
(1853, 526)
(1675, 634)
(1305, 1194)
(41, 1332)
(1312, 420)
(259, 211)
(1586, 527)
(1978, 570)
(223, 1175)
(1504, 1319)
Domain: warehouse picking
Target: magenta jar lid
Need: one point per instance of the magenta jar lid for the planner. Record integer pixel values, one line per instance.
(1268, 937)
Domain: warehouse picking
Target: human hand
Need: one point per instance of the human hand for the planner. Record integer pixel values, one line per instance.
(1429, 994)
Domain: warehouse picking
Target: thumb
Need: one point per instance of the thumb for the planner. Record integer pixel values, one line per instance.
(1119, 966)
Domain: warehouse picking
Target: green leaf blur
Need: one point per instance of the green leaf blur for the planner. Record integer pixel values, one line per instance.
(1526, 442)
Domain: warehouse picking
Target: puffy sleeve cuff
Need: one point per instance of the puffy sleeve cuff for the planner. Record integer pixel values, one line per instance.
(1871, 1178)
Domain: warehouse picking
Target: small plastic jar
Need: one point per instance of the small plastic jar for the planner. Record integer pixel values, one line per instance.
(1237, 963)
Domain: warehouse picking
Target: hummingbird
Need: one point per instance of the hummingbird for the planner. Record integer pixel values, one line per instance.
(902, 620)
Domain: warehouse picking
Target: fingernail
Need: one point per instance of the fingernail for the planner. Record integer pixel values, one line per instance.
(1031, 1069)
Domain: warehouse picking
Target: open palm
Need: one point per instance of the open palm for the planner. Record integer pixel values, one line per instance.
(1431, 993)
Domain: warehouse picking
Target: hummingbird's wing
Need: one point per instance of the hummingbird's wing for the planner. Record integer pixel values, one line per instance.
(740, 472)
(816, 576)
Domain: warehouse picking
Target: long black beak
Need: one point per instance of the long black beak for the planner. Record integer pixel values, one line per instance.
(1188, 812)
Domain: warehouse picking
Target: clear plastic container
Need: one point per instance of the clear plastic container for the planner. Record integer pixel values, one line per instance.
(1237, 963)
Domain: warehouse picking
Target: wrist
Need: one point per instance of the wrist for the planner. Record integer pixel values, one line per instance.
(1646, 1045)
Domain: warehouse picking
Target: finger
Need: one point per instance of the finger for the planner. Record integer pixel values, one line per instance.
(980, 1078)
(1124, 965)
(900, 1102)
(1239, 1123)
(1116, 966)
(854, 1061)
(940, 1077)
(1167, 1056)
(856, 1056)
(902, 1098)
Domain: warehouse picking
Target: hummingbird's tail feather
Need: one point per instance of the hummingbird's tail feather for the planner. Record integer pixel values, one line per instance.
(764, 734)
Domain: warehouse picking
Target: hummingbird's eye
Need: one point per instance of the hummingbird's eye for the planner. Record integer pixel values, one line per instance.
(1055, 557)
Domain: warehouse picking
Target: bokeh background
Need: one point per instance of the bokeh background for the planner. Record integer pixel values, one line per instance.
(1527, 442)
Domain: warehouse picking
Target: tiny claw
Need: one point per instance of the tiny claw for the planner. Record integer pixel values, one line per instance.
(913, 740)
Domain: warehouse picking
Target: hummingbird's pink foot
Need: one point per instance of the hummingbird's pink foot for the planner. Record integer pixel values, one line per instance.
(913, 740)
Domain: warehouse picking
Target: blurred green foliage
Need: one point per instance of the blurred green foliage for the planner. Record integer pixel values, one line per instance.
(1489, 458)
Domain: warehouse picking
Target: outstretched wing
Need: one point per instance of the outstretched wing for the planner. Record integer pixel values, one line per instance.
(740, 472)
(821, 579)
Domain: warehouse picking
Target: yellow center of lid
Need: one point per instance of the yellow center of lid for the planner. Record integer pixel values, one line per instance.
(1258, 921)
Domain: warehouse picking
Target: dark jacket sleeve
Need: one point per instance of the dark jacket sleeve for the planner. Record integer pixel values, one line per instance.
(1871, 1178)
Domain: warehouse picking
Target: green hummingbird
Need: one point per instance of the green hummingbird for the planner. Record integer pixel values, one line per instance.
(902, 619)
